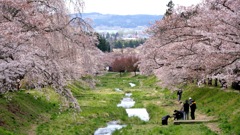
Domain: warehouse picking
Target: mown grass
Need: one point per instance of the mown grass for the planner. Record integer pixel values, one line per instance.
(42, 115)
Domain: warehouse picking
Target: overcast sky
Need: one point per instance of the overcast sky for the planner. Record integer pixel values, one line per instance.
(125, 7)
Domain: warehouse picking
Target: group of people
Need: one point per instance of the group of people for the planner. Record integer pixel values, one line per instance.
(184, 109)
(183, 112)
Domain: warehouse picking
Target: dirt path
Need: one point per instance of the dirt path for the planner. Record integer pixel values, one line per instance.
(212, 126)
(33, 127)
(32, 130)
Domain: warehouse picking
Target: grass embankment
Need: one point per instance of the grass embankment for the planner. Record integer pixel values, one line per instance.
(216, 102)
(21, 111)
(24, 114)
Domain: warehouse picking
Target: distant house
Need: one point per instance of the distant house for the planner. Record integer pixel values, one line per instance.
(129, 38)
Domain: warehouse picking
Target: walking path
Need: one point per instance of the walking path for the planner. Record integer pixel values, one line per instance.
(212, 125)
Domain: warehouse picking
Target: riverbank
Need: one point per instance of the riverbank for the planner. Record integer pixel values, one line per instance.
(44, 112)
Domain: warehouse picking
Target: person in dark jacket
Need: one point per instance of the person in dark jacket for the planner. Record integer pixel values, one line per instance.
(179, 93)
(186, 110)
(178, 115)
(193, 107)
(165, 119)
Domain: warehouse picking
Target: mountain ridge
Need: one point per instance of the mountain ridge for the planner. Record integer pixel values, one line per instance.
(121, 21)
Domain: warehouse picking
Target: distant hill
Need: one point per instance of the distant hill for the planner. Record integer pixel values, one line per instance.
(121, 21)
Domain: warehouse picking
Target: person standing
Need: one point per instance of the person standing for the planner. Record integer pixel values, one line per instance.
(193, 107)
(179, 93)
(190, 100)
(181, 106)
(186, 110)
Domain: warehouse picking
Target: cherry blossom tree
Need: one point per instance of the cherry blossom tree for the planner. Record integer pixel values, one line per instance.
(195, 43)
(42, 45)
(127, 63)
(132, 64)
(118, 65)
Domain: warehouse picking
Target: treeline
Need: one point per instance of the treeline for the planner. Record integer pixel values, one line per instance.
(106, 42)
(128, 43)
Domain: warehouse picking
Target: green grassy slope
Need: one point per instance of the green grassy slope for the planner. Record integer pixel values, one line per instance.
(19, 111)
(33, 112)
(216, 102)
